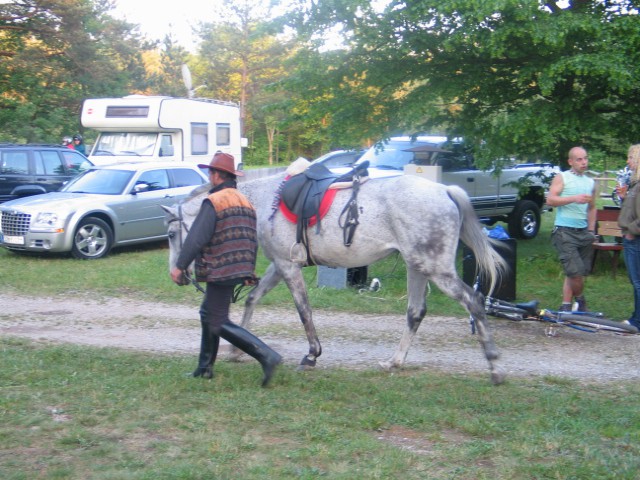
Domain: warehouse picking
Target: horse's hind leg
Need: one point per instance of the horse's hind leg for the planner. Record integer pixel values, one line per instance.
(474, 303)
(416, 310)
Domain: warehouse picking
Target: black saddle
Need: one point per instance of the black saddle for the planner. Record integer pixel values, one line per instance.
(302, 194)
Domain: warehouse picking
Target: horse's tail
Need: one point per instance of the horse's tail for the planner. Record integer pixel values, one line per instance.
(489, 262)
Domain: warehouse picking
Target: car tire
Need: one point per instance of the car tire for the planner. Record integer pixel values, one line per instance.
(524, 221)
(92, 239)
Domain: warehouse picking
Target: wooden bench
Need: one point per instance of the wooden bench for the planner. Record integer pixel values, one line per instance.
(609, 237)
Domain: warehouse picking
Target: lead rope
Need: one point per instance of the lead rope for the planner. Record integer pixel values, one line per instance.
(193, 282)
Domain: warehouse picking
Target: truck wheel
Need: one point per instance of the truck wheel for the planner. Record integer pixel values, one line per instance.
(524, 221)
(93, 239)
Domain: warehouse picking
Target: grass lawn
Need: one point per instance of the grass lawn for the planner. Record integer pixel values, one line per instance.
(68, 412)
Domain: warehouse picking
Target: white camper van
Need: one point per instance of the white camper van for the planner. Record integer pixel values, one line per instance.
(139, 127)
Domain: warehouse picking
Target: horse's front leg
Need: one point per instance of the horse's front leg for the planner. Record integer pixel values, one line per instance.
(292, 275)
(416, 310)
(267, 283)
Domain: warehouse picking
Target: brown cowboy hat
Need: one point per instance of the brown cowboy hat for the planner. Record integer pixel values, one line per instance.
(222, 161)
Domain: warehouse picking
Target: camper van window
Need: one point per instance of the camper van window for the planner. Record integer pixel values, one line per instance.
(126, 143)
(166, 146)
(127, 112)
(199, 138)
(223, 134)
(165, 141)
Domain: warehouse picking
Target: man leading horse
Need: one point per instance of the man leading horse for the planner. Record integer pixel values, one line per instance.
(223, 243)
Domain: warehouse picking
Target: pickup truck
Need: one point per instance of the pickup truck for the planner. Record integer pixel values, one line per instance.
(516, 195)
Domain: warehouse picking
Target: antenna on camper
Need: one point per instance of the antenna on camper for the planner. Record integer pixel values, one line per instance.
(186, 78)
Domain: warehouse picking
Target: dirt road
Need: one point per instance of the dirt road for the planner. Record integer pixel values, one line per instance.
(348, 340)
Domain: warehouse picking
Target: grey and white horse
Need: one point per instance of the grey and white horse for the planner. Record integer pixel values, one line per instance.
(420, 219)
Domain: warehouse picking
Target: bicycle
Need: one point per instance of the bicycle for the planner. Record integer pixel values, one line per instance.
(529, 311)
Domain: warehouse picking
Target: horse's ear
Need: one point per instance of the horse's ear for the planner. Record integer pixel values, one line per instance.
(171, 211)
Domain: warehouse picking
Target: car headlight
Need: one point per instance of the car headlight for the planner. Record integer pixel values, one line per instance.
(48, 221)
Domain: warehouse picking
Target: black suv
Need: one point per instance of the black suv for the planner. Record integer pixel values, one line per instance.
(34, 168)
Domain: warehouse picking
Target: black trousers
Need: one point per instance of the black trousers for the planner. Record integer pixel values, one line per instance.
(215, 306)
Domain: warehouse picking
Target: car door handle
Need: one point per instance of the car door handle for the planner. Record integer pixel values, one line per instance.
(471, 179)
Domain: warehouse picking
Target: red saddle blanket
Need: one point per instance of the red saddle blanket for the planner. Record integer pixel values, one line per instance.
(325, 205)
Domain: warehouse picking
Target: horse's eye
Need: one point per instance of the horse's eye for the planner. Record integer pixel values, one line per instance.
(171, 235)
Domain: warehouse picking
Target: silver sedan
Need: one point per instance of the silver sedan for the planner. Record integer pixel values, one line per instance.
(103, 207)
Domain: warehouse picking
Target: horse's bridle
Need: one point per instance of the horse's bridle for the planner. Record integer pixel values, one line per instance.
(184, 226)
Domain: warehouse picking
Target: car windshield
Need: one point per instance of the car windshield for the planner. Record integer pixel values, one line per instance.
(102, 182)
(121, 143)
(395, 155)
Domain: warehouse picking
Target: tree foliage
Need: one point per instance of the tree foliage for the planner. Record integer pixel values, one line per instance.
(515, 77)
(239, 57)
(522, 78)
(53, 55)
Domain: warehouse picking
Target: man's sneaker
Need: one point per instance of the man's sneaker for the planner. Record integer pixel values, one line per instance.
(565, 307)
(581, 304)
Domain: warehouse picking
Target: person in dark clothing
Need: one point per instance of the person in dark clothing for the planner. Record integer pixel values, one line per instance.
(78, 144)
(223, 243)
(629, 222)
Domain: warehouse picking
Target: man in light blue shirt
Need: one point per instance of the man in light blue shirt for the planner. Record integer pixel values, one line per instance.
(572, 193)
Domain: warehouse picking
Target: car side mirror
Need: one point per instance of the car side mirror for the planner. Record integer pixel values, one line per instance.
(139, 188)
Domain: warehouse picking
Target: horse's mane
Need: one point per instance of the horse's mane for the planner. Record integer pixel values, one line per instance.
(197, 192)
(191, 203)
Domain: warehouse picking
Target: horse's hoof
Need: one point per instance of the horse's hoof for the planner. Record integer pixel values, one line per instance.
(234, 355)
(498, 378)
(307, 363)
(387, 365)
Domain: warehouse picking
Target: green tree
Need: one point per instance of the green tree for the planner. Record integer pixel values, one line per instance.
(53, 54)
(163, 67)
(527, 78)
(239, 56)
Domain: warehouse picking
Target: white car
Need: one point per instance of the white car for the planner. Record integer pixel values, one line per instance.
(104, 207)
(339, 158)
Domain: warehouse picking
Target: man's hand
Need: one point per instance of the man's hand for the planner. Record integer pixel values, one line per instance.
(178, 277)
(583, 198)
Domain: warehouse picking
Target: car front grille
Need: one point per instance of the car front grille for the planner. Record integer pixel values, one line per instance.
(15, 223)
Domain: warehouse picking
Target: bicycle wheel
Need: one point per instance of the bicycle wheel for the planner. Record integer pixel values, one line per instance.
(598, 323)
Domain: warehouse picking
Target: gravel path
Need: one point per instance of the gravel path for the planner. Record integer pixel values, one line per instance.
(348, 340)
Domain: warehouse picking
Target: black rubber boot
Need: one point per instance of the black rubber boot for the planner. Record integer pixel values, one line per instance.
(209, 343)
(252, 345)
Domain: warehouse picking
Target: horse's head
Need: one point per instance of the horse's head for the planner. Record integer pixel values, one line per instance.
(179, 218)
(175, 233)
